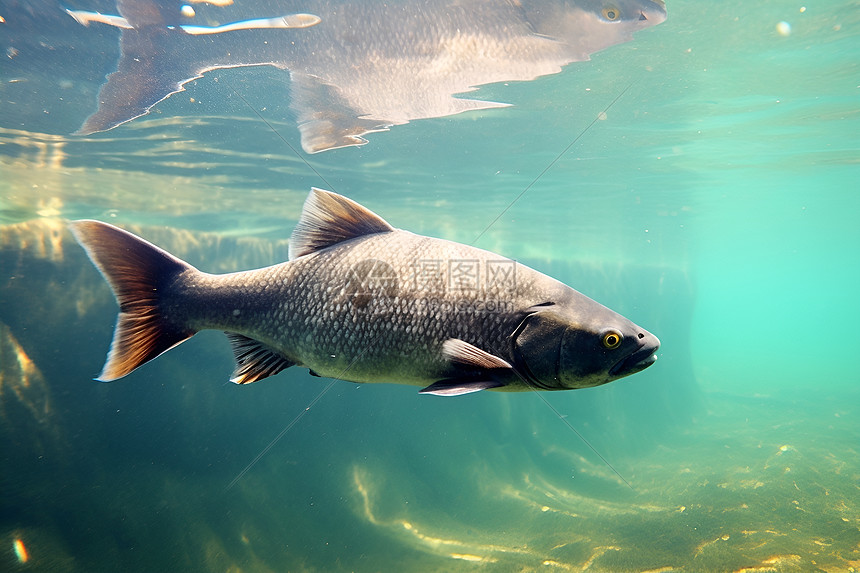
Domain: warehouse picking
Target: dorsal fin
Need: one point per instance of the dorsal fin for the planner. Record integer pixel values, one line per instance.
(328, 218)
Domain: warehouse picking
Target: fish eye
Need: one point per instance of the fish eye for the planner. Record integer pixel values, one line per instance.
(612, 339)
(611, 14)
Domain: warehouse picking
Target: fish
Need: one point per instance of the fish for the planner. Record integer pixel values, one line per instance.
(359, 66)
(361, 301)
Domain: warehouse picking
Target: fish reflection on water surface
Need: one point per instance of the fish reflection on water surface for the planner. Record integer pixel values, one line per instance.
(364, 302)
(358, 67)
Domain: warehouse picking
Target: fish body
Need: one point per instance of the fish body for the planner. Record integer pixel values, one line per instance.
(364, 302)
(360, 66)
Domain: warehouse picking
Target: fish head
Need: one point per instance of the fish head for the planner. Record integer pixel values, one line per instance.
(588, 26)
(581, 345)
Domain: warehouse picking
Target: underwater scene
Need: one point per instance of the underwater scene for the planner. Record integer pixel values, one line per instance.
(692, 166)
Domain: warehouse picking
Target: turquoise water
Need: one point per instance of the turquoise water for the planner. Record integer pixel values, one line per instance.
(716, 205)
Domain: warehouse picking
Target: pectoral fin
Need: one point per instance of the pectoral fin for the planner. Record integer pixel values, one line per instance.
(465, 354)
(481, 370)
(454, 387)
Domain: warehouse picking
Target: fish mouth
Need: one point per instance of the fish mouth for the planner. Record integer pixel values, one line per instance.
(636, 362)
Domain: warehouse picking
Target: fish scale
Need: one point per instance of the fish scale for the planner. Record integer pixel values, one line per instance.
(312, 316)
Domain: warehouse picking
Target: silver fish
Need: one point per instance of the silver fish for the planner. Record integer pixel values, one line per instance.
(361, 66)
(362, 301)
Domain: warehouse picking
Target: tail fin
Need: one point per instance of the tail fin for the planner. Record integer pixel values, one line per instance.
(137, 272)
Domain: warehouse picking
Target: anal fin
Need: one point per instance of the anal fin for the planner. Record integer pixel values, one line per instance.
(254, 359)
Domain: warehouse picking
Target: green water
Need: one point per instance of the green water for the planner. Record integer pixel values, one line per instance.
(716, 205)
